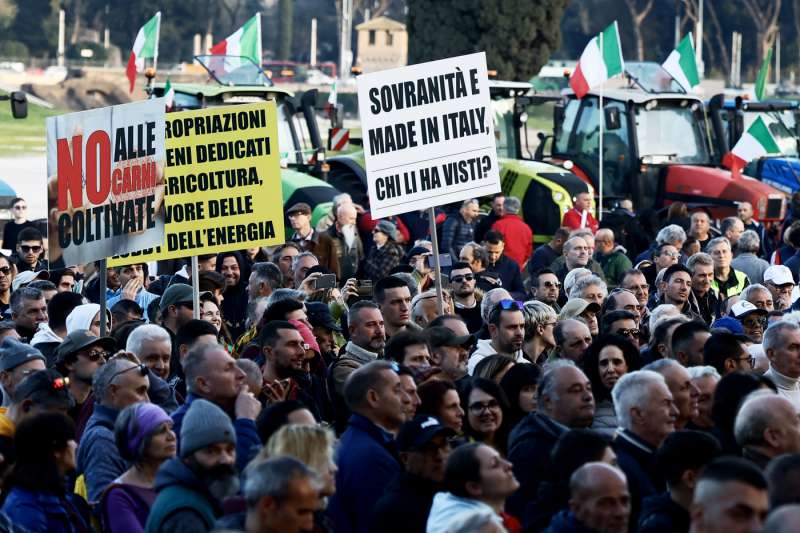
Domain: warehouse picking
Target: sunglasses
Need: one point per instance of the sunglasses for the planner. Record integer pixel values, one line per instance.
(462, 279)
(96, 356)
(754, 322)
(140, 368)
(510, 305)
(633, 332)
(552, 284)
(26, 249)
(5, 271)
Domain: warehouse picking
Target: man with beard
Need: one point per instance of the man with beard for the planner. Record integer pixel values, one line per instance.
(467, 305)
(192, 486)
(28, 310)
(423, 444)
(283, 257)
(212, 375)
(78, 358)
(676, 289)
(339, 248)
(30, 251)
(234, 306)
(502, 265)
(778, 279)
(506, 334)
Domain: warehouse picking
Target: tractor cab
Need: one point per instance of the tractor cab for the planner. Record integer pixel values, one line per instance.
(730, 118)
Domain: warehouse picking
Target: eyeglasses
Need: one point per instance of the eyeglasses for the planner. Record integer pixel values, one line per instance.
(26, 249)
(462, 279)
(754, 322)
(510, 305)
(750, 360)
(552, 284)
(143, 371)
(632, 332)
(479, 407)
(97, 355)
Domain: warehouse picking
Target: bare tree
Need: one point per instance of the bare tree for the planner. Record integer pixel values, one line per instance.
(637, 17)
(715, 42)
(765, 15)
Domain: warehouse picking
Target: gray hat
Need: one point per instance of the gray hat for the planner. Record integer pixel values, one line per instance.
(79, 339)
(14, 353)
(205, 424)
(178, 293)
(388, 228)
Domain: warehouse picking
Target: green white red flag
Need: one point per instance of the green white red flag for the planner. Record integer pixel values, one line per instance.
(763, 76)
(144, 47)
(755, 143)
(681, 65)
(600, 60)
(244, 42)
(169, 95)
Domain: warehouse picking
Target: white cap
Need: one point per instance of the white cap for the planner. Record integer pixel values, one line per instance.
(742, 308)
(779, 275)
(27, 276)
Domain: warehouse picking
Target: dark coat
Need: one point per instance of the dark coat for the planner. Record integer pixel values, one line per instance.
(565, 522)
(638, 460)
(45, 512)
(510, 275)
(182, 500)
(662, 515)
(405, 505)
(234, 306)
(529, 447)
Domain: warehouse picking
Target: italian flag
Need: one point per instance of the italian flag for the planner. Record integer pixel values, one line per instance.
(600, 60)
(763, 76)
(245, 42)
(756, 142)
(169, 95)
(330, 105)
(144, 47)
(681, 65)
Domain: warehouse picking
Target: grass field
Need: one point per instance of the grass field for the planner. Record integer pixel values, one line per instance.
(25, 136)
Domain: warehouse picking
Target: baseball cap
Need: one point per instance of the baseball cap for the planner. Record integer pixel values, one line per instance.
(576, 307)
(14, 353)
(442, 336)
(319, 314)
(729, 323)
(418, 432)
(299, 207)
(23, 278)
(44, 387)
(178, 293)
(80, 339)
(777, 275)
(742, 308)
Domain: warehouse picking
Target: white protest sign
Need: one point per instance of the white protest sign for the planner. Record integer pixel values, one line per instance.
(428, 135)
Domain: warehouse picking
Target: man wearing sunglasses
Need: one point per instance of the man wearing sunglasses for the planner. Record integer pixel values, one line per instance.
(19, 210)
(462, 286)
(752, 318)
(506, 334)
(545, 288)
(78, 358)
(30, 251)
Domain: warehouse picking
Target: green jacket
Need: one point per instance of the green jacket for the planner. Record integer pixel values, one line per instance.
(180, 491)
(614, 266)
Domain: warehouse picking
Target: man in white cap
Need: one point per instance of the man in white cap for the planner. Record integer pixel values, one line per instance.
(780, 282)
(752, 318)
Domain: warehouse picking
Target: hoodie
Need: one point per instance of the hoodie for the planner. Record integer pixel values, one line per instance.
(47, 342)
(182, 498)
(447, 509)
(234, 305)
(483, 350)
(81, 317)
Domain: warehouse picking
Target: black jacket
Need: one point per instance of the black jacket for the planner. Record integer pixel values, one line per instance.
(405, 505)
(529, 447)
(662, 515)
(510, 275)
(638, 460)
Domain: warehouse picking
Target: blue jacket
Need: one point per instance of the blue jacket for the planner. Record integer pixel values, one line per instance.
(638, 460)
(565, 522)
(367, 462)
(660, 514)
(43, 512)
(247, 441)
(456, 232)
(98, 457)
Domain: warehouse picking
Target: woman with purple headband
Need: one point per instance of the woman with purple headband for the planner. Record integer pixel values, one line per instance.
(145, 439)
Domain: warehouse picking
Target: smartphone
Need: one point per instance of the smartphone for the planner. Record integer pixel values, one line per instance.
(364, 287)
(444, 261)
(325, 281)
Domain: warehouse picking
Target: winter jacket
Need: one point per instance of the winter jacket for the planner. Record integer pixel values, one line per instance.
(381, 261)
(751, 266)
(333, 254)
(638, 460)
(183, 503)
(447, 508)
(734, 285)
(234, 306)
(559, 266)
(405, 505)
(518, 236)
(247, 441)
(660, 514)
(485, 349)
(46, 512)
(614, 264)
(573, 219)
(368, 462)
(98, 458)
(510, 276)
(456, 232)
(529, 447)
(565, 522)
(543, 257)
(605, 419)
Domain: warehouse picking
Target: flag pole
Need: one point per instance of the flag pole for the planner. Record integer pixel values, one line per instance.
(103, 288)
(436, 266)
(158, 35)
(602, 119)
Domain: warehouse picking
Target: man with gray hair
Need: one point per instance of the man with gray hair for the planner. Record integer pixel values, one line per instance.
(116, 385)
(28, 310)
(672, 234)
(732, 228)
(766, 426)
(301, 264)
(459, 228)
(727, 281)
(339, 248)
(517, 234)
(366, 455)
(701, 266)
(646, 414)
(747, 260)
(565, 401)
(611, 256)
(264, 279)
(760, 296)
(152, 345)
(684, 393)
(282, 495)
(782, 345)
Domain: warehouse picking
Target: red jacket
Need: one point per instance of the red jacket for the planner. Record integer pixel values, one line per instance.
(518, 236)
(572, 220)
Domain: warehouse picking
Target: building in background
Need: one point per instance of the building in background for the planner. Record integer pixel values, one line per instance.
(382, 44)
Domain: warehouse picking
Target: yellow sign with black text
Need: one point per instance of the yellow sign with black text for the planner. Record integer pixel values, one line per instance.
(222, 183)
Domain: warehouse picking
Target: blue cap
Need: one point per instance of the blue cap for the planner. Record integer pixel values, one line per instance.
(729, 323)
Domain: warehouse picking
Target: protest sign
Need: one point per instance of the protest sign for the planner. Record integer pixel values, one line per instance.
(105, 186)
(428, 135)
(222, 183)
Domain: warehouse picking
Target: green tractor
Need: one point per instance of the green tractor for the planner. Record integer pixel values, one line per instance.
(545, 190)
(238, 80)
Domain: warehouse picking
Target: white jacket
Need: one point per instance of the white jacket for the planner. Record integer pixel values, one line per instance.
(485, 349)
(447, 510)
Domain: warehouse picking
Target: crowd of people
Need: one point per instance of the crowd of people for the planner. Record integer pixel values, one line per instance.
(572, 386)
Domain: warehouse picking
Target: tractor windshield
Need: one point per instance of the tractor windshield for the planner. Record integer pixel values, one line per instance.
(781, 125)
(670, 132)
(233, 70)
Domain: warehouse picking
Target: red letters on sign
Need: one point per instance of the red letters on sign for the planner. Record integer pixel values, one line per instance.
(98, 184)
(69, 172)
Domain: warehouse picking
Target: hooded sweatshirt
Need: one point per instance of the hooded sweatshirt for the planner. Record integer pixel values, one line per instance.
(485, 349)
(81, 317)
(234, 305)
(448, 508)
(182, 499)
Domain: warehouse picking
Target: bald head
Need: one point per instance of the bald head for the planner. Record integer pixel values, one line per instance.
(604, 241)
(599, 498)
(768, 422)
(784, 519)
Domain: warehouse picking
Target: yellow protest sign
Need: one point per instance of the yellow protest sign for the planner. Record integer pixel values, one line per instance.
(222, 183)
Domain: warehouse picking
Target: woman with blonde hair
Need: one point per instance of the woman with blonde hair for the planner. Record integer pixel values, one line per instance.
(540, 321)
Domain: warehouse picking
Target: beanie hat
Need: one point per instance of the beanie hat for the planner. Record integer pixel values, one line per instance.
(204, 424)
